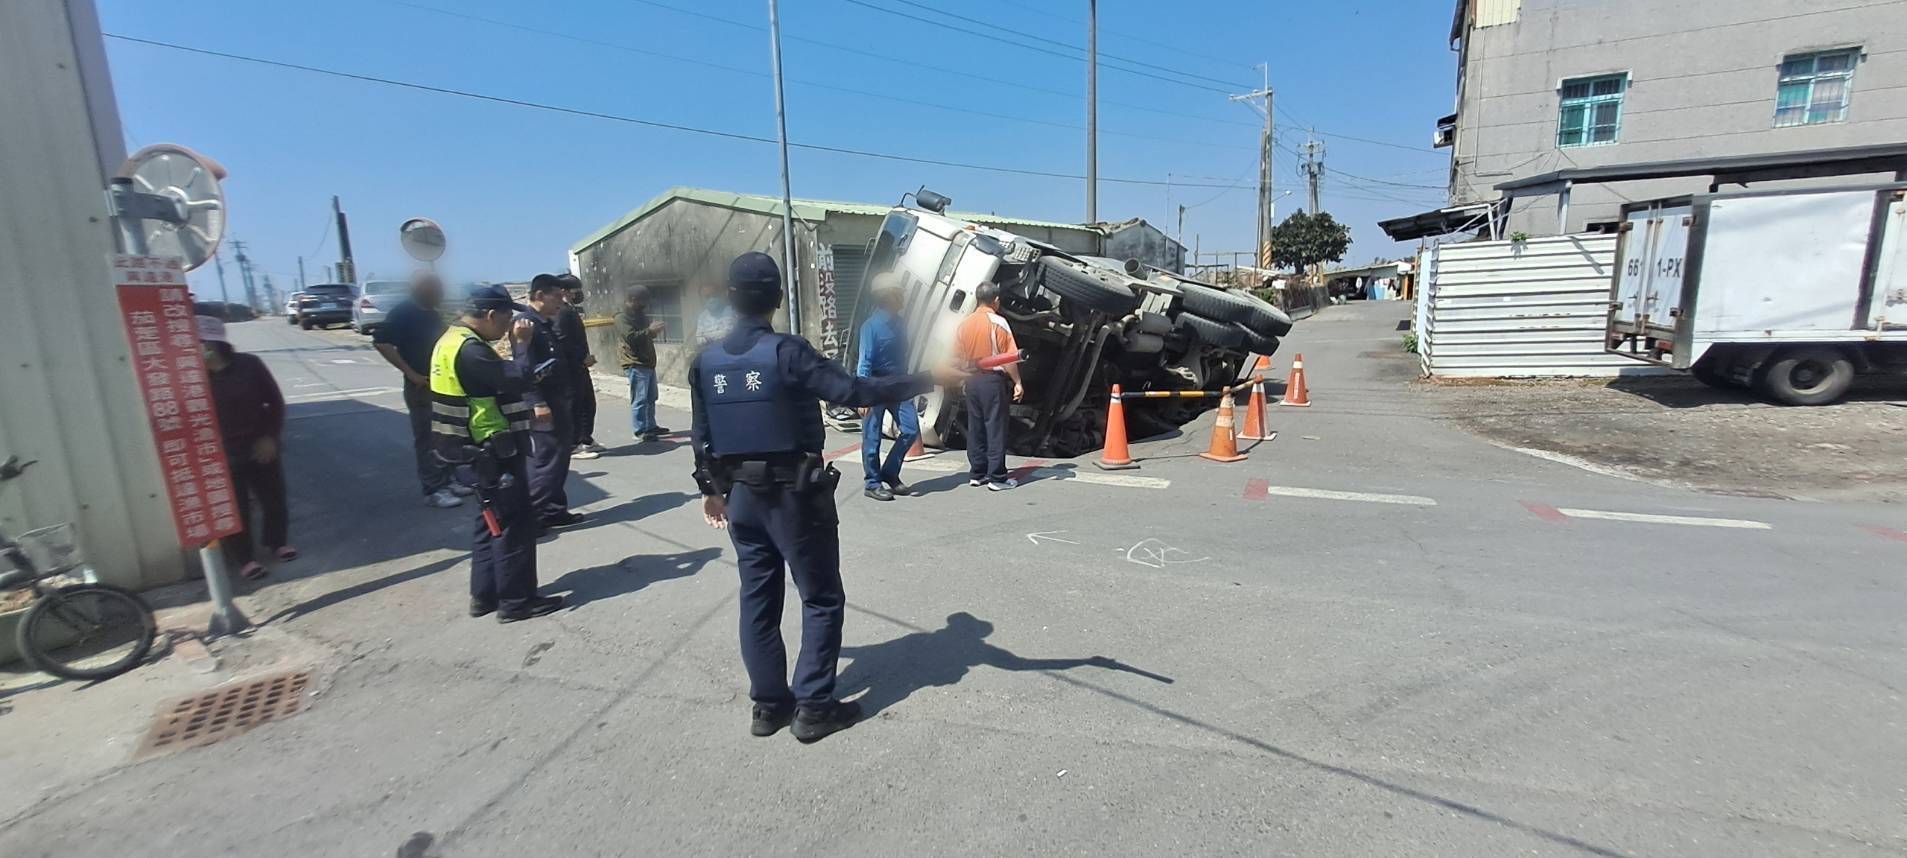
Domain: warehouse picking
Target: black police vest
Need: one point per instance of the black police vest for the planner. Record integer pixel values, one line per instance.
(751, 411)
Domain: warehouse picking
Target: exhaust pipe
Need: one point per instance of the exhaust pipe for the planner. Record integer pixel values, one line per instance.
(1135, 268)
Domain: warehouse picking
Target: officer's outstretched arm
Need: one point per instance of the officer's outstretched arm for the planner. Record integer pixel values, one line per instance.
(822, 379)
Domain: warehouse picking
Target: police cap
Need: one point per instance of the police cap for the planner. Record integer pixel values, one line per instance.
(487, 298)
(755, 273)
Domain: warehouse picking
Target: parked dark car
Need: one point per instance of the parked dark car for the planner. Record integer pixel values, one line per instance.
(324, 305)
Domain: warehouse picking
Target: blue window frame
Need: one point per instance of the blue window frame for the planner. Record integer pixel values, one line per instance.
(1591, 110)
(1814, 87)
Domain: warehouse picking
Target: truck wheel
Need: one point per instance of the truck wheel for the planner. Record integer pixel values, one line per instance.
(1808, 376)
(1241, 307)
(1224, 335)
(1712, 371)
(304, 324)
(1101, 290)
(1258, 345)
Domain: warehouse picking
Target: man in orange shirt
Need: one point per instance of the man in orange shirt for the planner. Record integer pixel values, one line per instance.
(983, 335)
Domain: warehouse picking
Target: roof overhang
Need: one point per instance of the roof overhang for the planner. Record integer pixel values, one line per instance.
(1439, 222)
(1726, 170)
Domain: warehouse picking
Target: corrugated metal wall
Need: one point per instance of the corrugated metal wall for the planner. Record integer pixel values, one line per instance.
(67, 394)
(1509, 309)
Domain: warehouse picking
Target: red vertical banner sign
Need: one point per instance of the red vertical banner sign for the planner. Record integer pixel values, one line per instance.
(166, 358)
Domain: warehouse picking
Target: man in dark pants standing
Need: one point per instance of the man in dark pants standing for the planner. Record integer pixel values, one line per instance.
(982, 335)
(478, 414)
(405, 339)
(574, 340)
(757, 438)
(538, 356)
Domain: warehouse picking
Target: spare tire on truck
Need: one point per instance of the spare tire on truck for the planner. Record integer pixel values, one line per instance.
(1100, 289)
(1234, 306)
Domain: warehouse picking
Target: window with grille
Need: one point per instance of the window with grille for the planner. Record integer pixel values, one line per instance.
(1591, 110)
(1814, 87)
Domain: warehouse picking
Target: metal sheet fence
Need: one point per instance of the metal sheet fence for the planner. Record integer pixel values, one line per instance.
(1517, 309)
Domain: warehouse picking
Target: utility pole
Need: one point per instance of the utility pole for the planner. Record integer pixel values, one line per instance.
(271, 295)
(791, 273)
(301, 274)
(347, 269)
(1267, 207)
(1314, 169)
(1092, 111)
(245, 274)
(219, 263)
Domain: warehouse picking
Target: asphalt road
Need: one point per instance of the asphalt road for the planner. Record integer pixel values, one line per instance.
(1377, 636)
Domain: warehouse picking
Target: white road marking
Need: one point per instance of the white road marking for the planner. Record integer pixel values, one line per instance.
(1048, 536)
(310, 384)
(1327, 494)
(342, 360)
(341, 394)
(1647, 518)
(952, 466)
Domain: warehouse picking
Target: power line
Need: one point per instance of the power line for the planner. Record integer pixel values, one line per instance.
(649, 123)
(815, 84)
(1140, 39)
(1036, 48)
(1068, 45)
(965, 73)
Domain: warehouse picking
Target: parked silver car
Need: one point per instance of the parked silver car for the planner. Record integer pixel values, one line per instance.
(374, 301)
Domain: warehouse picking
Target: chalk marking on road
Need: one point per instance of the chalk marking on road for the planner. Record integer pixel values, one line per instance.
(853, 448)
(1256, 490)
(1048, 536)
(1545, 512)
(1153, 552)
(1064, 475)
(1886, 532)
(338, 394)
(1649, 518)
(1365, 497)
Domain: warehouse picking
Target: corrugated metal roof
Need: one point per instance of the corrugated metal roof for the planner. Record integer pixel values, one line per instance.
(805, 209)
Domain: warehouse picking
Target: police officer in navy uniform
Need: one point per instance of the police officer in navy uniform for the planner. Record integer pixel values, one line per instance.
(757, 440)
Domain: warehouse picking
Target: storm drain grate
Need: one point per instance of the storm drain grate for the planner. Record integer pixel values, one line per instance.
(222, 713)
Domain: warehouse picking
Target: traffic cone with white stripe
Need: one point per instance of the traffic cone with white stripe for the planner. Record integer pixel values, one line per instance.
(916, 453)
(1224, 444)
(1117, 456)
(1257, 426)
(1296, 393)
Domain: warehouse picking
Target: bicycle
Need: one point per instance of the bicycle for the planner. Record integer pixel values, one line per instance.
(84, 630)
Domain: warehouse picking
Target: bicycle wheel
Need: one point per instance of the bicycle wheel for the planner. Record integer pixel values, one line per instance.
(86, 631)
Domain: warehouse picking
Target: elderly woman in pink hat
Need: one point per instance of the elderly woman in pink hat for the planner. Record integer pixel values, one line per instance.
(252, 418)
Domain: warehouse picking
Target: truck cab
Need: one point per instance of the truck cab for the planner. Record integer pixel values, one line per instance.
(1085, 324)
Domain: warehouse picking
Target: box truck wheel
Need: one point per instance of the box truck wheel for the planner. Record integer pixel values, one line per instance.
(1807, 376)
(1712, 370)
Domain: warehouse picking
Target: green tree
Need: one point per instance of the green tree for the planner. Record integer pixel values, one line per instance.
(1304, 240)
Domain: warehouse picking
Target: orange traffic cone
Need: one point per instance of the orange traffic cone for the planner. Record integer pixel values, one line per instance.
(1116, 456)
(1257, 427)
(1224, 443)
(1296, 393)
(916, 453)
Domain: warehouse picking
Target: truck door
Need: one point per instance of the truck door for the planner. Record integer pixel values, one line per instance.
(1890, 277)
(1648, 292)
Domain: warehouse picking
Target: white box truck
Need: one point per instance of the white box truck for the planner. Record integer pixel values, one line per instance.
(1790, 293)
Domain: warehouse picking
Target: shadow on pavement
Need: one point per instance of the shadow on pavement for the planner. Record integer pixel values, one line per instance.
(893, 670)
(634, 509)
(627, 575)
(1682, 391)
(364, 588)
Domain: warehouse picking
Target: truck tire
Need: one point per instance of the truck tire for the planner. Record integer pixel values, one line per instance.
(1223, 335)
(1712, 370)
(1258, 345)
(1807, 376)
(1241, 307)
(1099, 289)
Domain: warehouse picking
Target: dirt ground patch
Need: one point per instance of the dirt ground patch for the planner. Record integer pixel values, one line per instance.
(1677, 430)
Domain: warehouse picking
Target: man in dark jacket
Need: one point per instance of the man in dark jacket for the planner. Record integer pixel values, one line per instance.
(537, 352)
(639, 333)
(251, 415)
(573, 338)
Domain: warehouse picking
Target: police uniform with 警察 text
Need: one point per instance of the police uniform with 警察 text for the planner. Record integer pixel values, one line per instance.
(478, 417)
(757, 441)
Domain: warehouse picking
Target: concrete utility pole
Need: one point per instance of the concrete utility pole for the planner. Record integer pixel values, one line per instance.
(1314, 169)
(1267, 206)
(1092, 111)
(790, 273)
(245, 274)
(301, 274)
(219, 264)
(347, 268)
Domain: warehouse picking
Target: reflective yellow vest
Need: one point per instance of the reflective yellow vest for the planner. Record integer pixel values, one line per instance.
(458, 417)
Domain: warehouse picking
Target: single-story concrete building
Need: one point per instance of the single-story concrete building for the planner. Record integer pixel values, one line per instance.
(685, 238)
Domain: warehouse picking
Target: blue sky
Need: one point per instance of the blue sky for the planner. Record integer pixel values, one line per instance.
(515, 187)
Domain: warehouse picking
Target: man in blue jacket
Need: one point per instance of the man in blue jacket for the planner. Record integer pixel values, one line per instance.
(884, 355)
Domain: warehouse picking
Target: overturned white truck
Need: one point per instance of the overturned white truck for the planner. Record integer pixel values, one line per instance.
(1085, 323)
